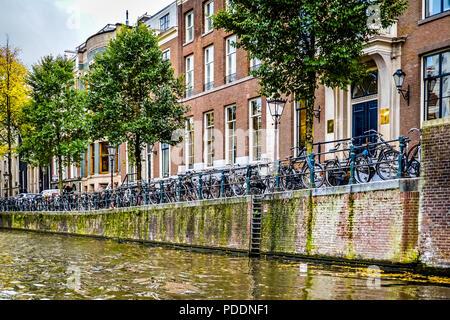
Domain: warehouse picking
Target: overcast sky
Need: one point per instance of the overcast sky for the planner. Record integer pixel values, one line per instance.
(42, 27)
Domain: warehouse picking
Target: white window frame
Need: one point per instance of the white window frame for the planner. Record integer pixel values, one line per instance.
(189, 60)
(167, 21)
(166, 54)
(161, 165)
(252, 130)
(208, 11)
(189, 27)
(254, 62)
(207, 129)
(209, 66)
(189, 146)
(230, 136)
(230, 61)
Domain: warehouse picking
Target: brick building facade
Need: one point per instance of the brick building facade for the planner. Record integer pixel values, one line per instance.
(229, 122)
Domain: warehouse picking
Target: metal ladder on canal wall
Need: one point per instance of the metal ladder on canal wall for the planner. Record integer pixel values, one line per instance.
(255, 227)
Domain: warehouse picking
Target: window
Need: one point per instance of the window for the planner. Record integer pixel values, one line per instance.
(104, 158)
(255, 129)
(208, 12)
(166, 55)
(164, 22)
(165, 160)
(189, 26)
(209, 138)
(230, 60)
(300, 130)
(367, 87)
(209, 68)
(437, 85)
(190, 142)
(433, 7)
(230, 135)
(92, 159)
(255, 63)
(189, 76)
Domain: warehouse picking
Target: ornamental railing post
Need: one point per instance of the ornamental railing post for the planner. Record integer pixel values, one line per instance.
(352, 165)
(312, 173)
(145, 193)
(277, 176)
(200, 182)
(222, 182)
(247, 180)
(106, 199)
(179, 188)
(401, 141)
(161, 189)
(96, 200)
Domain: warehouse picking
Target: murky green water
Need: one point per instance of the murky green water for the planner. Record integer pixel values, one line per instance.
(41, 266)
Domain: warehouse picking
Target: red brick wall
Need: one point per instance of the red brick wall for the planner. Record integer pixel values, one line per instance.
(378, 225)
(434, 228)
(422, 39)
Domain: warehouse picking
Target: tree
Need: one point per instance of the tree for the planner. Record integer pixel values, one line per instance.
(13, 94)
(304, 43)
(133, 94)
(54, 122)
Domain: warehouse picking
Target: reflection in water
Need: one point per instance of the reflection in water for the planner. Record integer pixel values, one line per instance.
(42, 266)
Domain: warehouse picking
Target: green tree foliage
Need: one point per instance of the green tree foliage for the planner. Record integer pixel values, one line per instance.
(304, 43)
(13, 95)
(54, 122)
(133, 94)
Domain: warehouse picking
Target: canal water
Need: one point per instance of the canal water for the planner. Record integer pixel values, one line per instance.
(45, 266)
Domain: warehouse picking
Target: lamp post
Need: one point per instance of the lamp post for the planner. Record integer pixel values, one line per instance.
(399, 77)
(111, 155)
(276, 107)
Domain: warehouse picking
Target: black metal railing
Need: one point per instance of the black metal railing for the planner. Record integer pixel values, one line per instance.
(348, 162)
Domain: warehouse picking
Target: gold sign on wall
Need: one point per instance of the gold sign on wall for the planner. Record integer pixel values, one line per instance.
(384, 116)
(330, 126)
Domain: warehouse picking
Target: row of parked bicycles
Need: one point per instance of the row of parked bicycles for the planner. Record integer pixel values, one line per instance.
(349, 161)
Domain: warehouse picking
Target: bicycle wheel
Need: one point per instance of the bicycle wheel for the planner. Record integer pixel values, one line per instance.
(239, 186)
(319, 177)
(332, 173)
(215, 188)
(362, 170)
(413, 169)
(387, 164)
(269, 181)
(286, 179)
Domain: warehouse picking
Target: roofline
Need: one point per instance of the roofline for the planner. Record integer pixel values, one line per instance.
(102, 31)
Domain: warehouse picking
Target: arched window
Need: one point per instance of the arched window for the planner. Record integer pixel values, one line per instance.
(368, 86)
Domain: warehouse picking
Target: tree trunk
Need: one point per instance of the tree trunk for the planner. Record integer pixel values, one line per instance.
(10, 184)
(310, 97)
(310, 102)
(60, 174)
(137, 155)
(8, 112)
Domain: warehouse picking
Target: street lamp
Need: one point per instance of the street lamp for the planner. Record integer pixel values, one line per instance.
(276, 107)
(399, 77)
(111, 155)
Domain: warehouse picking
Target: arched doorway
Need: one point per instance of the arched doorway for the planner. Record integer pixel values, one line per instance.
(365, 105)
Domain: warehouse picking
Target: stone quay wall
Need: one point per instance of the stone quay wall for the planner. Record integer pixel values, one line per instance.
(376, 222)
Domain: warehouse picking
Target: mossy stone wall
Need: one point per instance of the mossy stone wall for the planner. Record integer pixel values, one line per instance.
(216, 224)
(374, 226)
